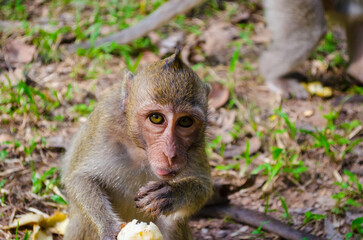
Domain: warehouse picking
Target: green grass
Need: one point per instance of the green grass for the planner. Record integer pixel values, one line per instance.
(330, 45)
(84, 109)
(23, 99)
(246, 32)
(258, 231)
(2, 195)
(336, 143)
(357, 229)
(13, 10)
(44, 184)
(350, 194)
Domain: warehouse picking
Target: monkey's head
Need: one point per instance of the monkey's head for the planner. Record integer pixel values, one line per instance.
(166, 109)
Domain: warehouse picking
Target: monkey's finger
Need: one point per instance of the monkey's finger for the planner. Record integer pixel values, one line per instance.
(143, 201)
(162, 193)
(150, 187)
(149, 210)
(154, 205)
(152, 209)
(162, 206)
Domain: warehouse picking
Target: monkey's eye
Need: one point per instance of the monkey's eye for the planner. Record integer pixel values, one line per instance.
(185, 122)
(156, 118)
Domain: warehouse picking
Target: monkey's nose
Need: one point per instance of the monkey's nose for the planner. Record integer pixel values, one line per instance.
(170, 158)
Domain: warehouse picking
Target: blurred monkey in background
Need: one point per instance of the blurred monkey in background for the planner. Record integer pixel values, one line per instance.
(297, 26)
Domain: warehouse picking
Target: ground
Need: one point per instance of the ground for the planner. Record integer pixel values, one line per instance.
(300, 161)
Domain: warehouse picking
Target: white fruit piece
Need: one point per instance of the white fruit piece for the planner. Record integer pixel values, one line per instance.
(140, 231)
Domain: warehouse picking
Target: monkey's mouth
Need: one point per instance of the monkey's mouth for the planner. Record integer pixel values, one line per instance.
(162, 172)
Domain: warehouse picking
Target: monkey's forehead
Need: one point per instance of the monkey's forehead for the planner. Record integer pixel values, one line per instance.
(169, 81)
(178, 88)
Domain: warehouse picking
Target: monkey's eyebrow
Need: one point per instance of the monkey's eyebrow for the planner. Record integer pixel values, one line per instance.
(148, 108)
(193, 111)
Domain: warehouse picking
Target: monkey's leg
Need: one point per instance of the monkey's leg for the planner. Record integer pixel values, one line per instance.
(355, 44)
(296, 26)
(89, 201)
(173, 229)
(78, 227)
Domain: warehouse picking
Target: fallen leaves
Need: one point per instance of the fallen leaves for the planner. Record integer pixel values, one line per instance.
(216, 40)
(16, 51)
(218, 95)
(44, 226)
(12, 76)
(316, 88)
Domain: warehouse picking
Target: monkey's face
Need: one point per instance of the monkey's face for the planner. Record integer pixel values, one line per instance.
(168, 134)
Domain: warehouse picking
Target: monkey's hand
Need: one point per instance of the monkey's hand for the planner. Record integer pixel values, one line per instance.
(186, 195)
(155, 198)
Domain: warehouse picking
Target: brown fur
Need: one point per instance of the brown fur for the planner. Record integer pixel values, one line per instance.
(118, 155)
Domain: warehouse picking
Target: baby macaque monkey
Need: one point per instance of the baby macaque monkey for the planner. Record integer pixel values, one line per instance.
(297, 27)
(141, 155)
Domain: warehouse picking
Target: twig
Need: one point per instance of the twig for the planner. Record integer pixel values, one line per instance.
(6, 235)
(219, 207)
(10, 171)
(255, 219)
(355, 132)
(156, 19)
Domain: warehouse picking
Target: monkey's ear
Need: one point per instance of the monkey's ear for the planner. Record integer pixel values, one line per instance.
(177, 53)
(128, 76)
(208, 88)
(126, 85)
(174, 62)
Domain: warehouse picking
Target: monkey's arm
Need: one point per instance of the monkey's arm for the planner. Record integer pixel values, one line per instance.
(183, 195)
(193, 191)
(88, 196)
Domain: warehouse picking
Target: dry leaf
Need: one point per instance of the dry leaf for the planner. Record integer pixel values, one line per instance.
(17, 51)
(52, 220)
(241, 17)
(218, 95)
(13, 76)
(308, 113)
(316, 88)
(238, 149)
(262, 37)
(43, 226)
(330, 229)
(56, 142)
(148, 57)
(169, 44)
(39, 234)
(5, 137)
(60, 227)
(154, 37)
(217, 37)
(106, 30)
(26, 219)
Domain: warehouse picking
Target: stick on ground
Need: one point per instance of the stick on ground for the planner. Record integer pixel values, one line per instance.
(156, 19)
